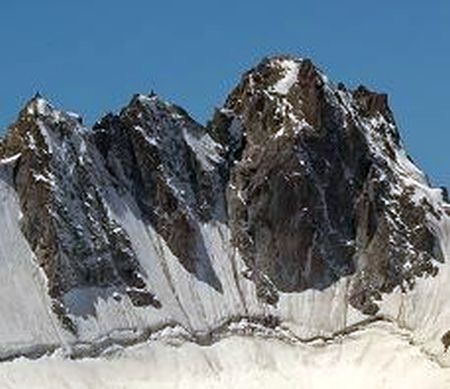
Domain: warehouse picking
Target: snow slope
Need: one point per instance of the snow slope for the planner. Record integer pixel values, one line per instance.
(378, 357)
(28, 323)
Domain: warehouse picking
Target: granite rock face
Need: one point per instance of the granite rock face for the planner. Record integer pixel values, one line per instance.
(315, 189)
(150, 219)
(169, 164)
(61, 186)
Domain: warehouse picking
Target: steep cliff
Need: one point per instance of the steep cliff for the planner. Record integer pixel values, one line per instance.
(296, 213)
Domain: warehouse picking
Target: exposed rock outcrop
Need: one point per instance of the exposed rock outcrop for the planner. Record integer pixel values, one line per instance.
(317, 190)
(65, 219)
(169, 164)
(296, 204)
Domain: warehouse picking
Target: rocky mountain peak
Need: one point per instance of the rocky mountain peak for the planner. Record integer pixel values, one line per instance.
(315, 173)
(296, 185)
(61, 184)
(40, 127)
(285, 94)
(282, 90)
(372, 103)
(38, 106)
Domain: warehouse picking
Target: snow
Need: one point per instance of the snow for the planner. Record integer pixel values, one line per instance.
(10, 160)
(279, 133)
(48, 139)
(151, 140)
(73, 116)
(425, 310)
(40, 107)
(27, 321)
(204, 147)
(42, 178)
(31, 141)
(290, 69)
(378, 357)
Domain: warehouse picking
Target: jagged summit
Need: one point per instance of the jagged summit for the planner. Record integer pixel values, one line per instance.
(305, 154)
(276, 77)
(296, 207)
(37, 105)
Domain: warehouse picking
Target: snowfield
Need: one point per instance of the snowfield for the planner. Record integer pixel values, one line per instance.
(377, 357)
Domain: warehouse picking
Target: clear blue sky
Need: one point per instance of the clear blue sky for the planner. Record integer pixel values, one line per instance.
(90, 56)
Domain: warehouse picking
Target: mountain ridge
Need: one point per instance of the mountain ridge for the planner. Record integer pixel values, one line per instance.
(296, 204)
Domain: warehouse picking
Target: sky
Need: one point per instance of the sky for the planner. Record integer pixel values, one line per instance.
(91, 56)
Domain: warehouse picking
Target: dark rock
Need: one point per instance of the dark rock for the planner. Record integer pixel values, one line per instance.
(315, 204)
(147, 149)
(65, 219)
(446, 340)
(307, 177)
(143, 299)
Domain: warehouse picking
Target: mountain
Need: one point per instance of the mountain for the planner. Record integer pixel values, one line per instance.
(295, 215)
